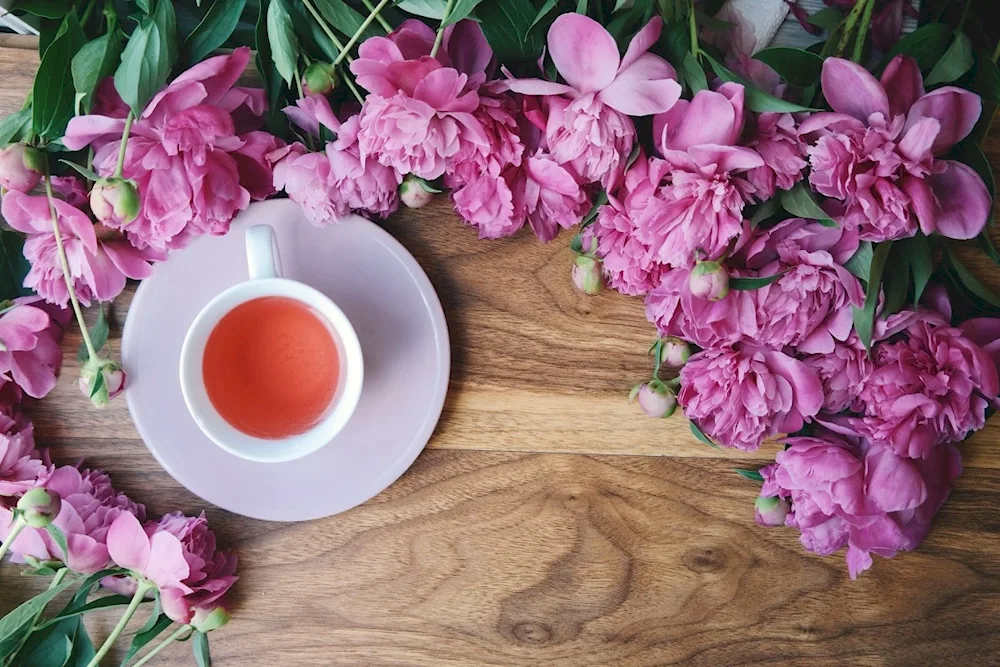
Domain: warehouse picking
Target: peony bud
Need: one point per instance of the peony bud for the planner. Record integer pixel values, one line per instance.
(102, 380)
(587, 275)
(413, 193)
(674, 352)
(206, 620)
(115, 201)
(319, 79)
(655, 399)
(39, 507)
(709, 280)
(770, 511)
(21, 167)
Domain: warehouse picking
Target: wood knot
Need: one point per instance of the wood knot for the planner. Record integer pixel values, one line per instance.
(530, 632)
(704, 559)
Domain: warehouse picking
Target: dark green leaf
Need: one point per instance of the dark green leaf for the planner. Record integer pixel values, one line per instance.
(987, 81)
(431, 9)
(971, 282)
(752, 475)
(461, 10)
(83, 648)
(701, 436)
(600, 199)
(926, 45)
(143, 5)
(763, 211)
(955, 62)
(200, 648)
(100, 603)
(972, 154)
(281, 36)
(753, 283)
(986, 244)
(799, 202)
(50, 9)
(796, 66)
(95, 60)
(756, 99)
(13, 127)
(633, 156)
(89, 174)
(165, 20)
(160, 623)
(897, 283)
(273, 84)
(343, 18)
(146, 60)
(54, 652)
(44, 646)
(864, 318)
(57, 535)
(507, 26)
(213, 31)
(547, 7)
(52, 93)
(921, 264)
(693, 73)
(581, 7)
(827, 18)
(13, 266)
(860, 263)
(98, 335)
(18, 622)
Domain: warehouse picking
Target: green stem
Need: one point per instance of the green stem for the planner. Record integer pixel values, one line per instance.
(693, 28)
(140, 592)
(354, 89)
(357, 33)
(15, 530)
(440, 31)
(325, 28)
(162, 645)
(56, 580)
(965, 14)
(124, 145)
(65, 265)
(996, 52)
(866, 21)
(87, 11)
(849, 23)
(385, 24)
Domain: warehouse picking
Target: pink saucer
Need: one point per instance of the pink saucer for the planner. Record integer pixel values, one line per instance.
(404, 338)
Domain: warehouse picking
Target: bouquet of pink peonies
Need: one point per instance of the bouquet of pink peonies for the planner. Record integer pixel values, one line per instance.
(790, 217)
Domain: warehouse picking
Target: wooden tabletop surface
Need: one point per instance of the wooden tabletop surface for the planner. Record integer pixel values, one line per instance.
(549, 522)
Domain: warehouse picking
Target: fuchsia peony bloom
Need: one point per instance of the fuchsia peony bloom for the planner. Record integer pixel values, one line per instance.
(191, 167)
(305, 177)
(879, 153)
(21, 468)
(861, 496)
(588, 125)
(843, 372)
(931, 387)
(100, 259)
(30, 356)
(739, 396)
(985, 332)
(90, 506)
(548, 196)
(678, 313)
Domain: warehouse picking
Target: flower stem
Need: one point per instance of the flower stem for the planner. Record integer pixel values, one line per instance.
(693, 28)
(859, 43)
(140, 592)
(124, 145)
(162, 645)
(849, 23)
(440, 32)
(325, 28)
(61, 250)
(15, 530)
(965, 14)
(385, 24)
(354, 89)
(56, 580)
(357, 33)
(996, 52)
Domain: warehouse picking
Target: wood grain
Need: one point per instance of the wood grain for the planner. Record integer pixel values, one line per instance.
(550, 523)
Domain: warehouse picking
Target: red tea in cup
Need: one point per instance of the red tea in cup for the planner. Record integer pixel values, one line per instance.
(271, 367)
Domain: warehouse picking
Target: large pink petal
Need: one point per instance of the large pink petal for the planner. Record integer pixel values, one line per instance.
(130, 261)
(440, 88)
(836, 122)
(175, 605)
(956, 109)
(537, 87)
(414, 39)
(807, 387)
(708, 118)
(37, 379)
(643, 89)
(167, 566)
(916, 144)
(643, 41)
(726, 158)
(74, 221)
(84, 130)
(28, 317)
(128, 544)
(86, 555)
(963, 202)
(892, 482)
(903, 83)
(218, 74)
(108, 281)
(26, 213)
(850, 88)
(584, 53)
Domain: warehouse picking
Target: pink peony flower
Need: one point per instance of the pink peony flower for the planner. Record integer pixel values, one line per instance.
(152, 553)
(843, 372)
(486, 202)
(984, 332)
(100, 259)
(30, 357)
(548, 196)
(90, 506)
(861, 496)
(739, 396)
(590, 137)
(305, 177)
(776, 138)
(184, 153)
(878, 153)
(21, 467)
(366, 186)
(933, 386)
(72, 190)
(677, 312)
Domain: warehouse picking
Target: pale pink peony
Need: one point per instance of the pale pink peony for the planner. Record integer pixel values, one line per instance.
(367, 186)
(30, 357)
(21, 467)
(547, 195)
(486, 202)
(152, 553)
(739, 396)
(90, 506)
(99, 258)
(590, 137)
(879, 153)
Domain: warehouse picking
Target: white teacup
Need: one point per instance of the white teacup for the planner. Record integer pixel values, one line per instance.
(264, 264)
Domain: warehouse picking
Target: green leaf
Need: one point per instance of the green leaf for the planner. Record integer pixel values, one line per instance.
(921, 264)
(17, 623)
(799, 202)
(50, 9)
(897, 283)
(827, 18)
(546, 7)
(701, 436)
(200, 648)
(763, 211)
(13, 127)
(281, 36)
(600, 199)
(507, 26)
(986, 245)
(693, 73)
(581, 7)
(80, 597)
(753, 283)
(273, 84)
(213, 31)
(752, 475)
(95, 60)
(461, 10)
(13, 266)
(100, 603)
(52, 93)
(343, 18)
(83, 648)
(147, 634)
(55, 652)
(89, 174)
(165, 20)
(955, 62)
(98, 335)
(98, 385)
(972, 154)
(987, 81)
(154, 616)
(796, 66)
(864, 318)
(57, 535)
(860, 263)
(756, 99)
(431, 9)
(926, 45)
(146, 60)
(971, 282)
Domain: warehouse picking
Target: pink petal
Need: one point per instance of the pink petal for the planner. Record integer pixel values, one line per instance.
(440, 87)
(963, 202)
(108, 280)
(726, 158)
(643, 89)
(903, 84)
(128, 544)
(537, 87)
(83, 130)
(892, 482)
(76, 222)
(130, 261)
(26, 213)
(916, 144)
(851, 89)
(167, 566)
(643, 41)
(807, 387)
(837, 122)
(175, 605)
(37, 379)
(956, 109)
(86, 555)
(29, 317)
(218, 74)
(584, 53)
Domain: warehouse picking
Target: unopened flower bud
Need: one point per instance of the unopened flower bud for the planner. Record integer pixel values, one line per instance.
(587, 275)
(115, 201)
(709, 280)
(674, 352)
(770, 511)
(21, 167)
(319, 78)
(102, 380)
(656, 400)
(413, 193)
(206, 620)
(39, 507)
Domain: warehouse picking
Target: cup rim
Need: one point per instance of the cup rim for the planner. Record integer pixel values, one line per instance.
(226, 436)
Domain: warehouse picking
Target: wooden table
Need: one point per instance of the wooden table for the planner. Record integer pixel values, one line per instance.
(549, 522)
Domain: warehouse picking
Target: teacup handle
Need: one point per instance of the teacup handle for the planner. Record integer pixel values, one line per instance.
(263, 258)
